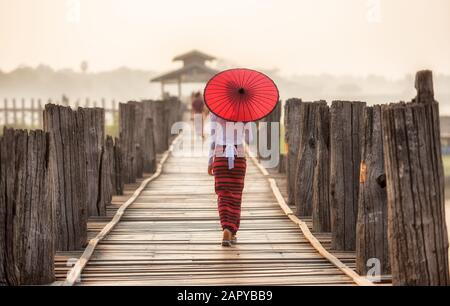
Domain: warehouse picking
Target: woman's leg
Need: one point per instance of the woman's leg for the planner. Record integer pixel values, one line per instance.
(229, 184)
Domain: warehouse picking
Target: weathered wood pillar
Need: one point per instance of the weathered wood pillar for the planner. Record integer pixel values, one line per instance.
(139, 134)
(306, 157)
(107, 172)
(371, 228)
(161, 126)
(346, 126)
(127, 115)
(26, 234)
(92, 124)
(118, 168)
(147, 106)
(321, 210)
(67, 172)
(292, 131)
(282, 164)
(149, 147)
(417, 231)
(3, 224)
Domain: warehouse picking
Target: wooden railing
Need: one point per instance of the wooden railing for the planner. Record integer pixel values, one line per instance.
(373, 176)
(28, 112)
(53, 180)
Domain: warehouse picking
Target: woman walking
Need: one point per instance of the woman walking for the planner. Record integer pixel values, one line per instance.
(228, 164)
(234, 97)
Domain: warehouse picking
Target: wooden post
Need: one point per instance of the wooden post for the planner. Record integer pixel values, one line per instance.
(321, 210)
(417, 231)
(160, 123)
(148, 109)
(371, 228)
(26, 234)
(92, 124)
(3, 223)
(107, 172)
(5, 111)
(179, 89)
(139, 135)
(306, 157)
(40, 114)
(282, 164)
(292, 131)
(127, 115)
(14, 111)
(33, 113)
(22, 112)
(149, 147)
(345, 139)
(67, 172)
(118, 169)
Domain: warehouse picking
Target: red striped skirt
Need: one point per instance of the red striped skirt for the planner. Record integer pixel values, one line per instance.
(229, 184)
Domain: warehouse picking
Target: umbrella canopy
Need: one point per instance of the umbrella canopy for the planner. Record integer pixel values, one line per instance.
(241, 95)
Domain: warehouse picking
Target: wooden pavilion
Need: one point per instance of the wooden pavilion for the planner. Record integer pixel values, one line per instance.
(194, 70)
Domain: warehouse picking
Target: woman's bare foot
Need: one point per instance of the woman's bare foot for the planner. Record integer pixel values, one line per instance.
(227, 236)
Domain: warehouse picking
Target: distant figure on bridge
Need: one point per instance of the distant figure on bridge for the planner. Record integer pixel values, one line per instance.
(234, 97)
(198, 113)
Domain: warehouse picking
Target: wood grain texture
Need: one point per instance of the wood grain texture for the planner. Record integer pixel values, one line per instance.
(107, 172)
(127, 117)
(292, 138)
(310, 237)
(75, 273)
(346, 126)
(25, 210)
(91, 122)
(139, 138)
(171, 236)
(118, 168)
(67, 174)
(3, 275)
(321, 210)
(149, 147)
(306, 156)
(371, 229)
(417, 231)
(161, 126)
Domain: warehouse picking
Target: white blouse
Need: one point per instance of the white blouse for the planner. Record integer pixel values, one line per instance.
(229, 135)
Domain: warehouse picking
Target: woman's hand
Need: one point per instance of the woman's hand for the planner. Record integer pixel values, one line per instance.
(210, 170)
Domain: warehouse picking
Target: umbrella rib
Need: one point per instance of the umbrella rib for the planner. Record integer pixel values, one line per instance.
(267, 105)
(254, 79)
(251, 104)
(218, 100)
(259, 82)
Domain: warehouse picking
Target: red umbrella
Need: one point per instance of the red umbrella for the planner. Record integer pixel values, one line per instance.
(241, 95)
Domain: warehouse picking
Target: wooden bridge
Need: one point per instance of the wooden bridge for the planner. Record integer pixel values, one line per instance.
(360, 193)
(170, 235)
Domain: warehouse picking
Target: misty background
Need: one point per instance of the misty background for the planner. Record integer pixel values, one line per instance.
(125, 84)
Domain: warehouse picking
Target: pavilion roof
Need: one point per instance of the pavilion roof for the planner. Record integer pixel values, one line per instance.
(194, 72)
(194, 54)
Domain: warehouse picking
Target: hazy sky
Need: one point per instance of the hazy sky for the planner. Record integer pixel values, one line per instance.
(387, 37)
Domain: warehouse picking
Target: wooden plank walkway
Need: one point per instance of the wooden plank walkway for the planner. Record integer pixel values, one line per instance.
(171, 236)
